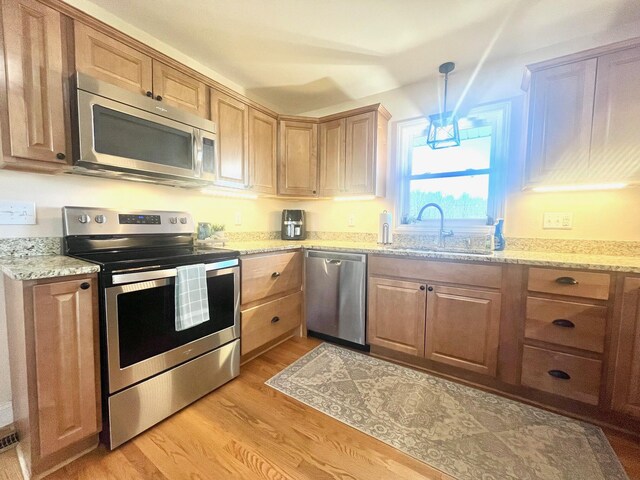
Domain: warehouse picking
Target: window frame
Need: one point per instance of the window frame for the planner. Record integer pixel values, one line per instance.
(498, 115)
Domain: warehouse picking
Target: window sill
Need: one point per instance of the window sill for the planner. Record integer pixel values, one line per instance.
(458, 229)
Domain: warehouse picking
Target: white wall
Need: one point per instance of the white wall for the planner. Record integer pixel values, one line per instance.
(596, 215)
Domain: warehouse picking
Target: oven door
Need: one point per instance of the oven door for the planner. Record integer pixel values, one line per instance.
(141, 339)
(116, 136)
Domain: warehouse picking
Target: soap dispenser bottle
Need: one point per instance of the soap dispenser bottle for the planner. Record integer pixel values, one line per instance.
(499, 235)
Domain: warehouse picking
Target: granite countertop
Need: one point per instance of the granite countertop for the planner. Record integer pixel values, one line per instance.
(44, 266)
(51, 266)
(610, 263)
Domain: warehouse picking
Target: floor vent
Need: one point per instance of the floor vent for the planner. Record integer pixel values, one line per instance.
(8, 439)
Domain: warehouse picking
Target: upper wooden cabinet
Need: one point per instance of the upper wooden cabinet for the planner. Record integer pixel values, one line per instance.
(353, 152)
(232, 152)
(626, 390)
(36, 82)
(104, 58)
(263, 149)
(107, 59)
(298, 162)
(582, 112)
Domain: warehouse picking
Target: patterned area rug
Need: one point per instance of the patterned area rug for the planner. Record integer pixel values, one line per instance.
(464, 432)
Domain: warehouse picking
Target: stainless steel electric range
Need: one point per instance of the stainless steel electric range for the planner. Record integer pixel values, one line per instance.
(149, 369)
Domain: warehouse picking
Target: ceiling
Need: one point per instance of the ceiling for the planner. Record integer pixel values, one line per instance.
(301, 55)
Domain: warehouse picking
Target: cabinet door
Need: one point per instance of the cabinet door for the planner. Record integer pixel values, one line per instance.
(626, 391)
(360, 153)
(35, 59)
(397, 315)
(109, 60)
(615, 148)
(263, 148)
(232, 120)
(463, 328)
(178, 89)
(560, 117)
(64, 325)
(332, 150)
(298, 162)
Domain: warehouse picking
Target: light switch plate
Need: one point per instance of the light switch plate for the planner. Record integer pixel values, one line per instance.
(238, 218)
(351, 221)
(17, 213)
(557, 221)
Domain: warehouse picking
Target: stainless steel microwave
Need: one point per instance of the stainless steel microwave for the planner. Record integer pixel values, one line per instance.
(121, 133)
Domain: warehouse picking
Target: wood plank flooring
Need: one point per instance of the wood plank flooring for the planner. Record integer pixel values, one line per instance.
(247, 430)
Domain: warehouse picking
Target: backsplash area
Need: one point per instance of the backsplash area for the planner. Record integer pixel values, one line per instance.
(27, 246)
(588, 247)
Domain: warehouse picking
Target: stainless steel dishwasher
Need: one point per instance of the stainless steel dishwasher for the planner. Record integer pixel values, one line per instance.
(335, 289)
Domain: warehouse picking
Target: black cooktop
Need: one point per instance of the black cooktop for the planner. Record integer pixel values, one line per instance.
(112, 261)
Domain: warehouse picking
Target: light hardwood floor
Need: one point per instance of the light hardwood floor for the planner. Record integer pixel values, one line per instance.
(247, 430)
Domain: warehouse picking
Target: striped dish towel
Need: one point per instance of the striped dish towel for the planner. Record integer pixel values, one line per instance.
(192, 300)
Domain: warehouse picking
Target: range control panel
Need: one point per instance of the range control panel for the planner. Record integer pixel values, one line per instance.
(128, 219)
(104, 221)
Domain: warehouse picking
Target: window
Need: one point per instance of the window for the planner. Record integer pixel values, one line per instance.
(466, 181)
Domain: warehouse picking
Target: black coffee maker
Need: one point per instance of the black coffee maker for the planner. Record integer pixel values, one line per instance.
(293, 225)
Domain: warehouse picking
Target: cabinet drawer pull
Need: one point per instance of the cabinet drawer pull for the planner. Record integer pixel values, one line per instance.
(422, 287)
(559, 374)
(60, 156)
(275, 319)
(85, 285)
(566, 281)
(562, 322)
(159, 98)
(275, 274)
(149, 94)
(430, 289)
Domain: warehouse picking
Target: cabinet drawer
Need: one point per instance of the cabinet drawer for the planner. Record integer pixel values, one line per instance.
(489, 276)
(582, 375)
(571, 324)
(265, 322)
(567, 282)
(268, 275)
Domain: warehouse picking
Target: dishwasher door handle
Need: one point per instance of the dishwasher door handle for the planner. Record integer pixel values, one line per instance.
(333, 262)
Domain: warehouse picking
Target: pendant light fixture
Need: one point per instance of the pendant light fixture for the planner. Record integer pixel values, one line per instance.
(443, 130)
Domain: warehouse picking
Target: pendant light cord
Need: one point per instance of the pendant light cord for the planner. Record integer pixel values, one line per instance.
(446, 79)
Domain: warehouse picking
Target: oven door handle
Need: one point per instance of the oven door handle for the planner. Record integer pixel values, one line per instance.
(166, 273)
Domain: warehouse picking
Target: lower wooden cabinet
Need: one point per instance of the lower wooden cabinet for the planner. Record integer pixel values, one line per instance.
(272, 300)
(397, 315)
(626, 390)
(53, 344)
(447, 324)
(463, 327)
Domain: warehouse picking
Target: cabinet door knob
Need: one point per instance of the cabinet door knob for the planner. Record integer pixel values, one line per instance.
(149, 94)
(559, 374)
(422, 287)
(275, 319)
(566, 281)
(430, 289)
(60, 156)
(159, 98)
(275, 274)
(85, 285)
(562, 322)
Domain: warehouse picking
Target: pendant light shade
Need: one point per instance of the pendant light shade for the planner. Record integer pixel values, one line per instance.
(443, 129)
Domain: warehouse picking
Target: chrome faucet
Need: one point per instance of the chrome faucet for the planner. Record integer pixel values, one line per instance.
(442, 232)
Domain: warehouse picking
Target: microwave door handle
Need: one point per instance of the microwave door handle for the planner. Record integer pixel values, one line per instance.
(198, 153)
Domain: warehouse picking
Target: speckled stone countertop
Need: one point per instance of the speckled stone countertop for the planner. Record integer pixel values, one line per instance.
(44, 266)
(610, 263)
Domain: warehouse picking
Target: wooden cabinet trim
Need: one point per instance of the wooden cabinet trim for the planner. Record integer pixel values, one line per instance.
(589, 284)
(360, 153)
(180, 89)
(332, 157)
(266, 276)
(301, 154)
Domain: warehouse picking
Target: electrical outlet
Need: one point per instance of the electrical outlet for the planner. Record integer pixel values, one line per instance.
(17, 213)
(557, 221)
(238, 218)
(351, 222)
